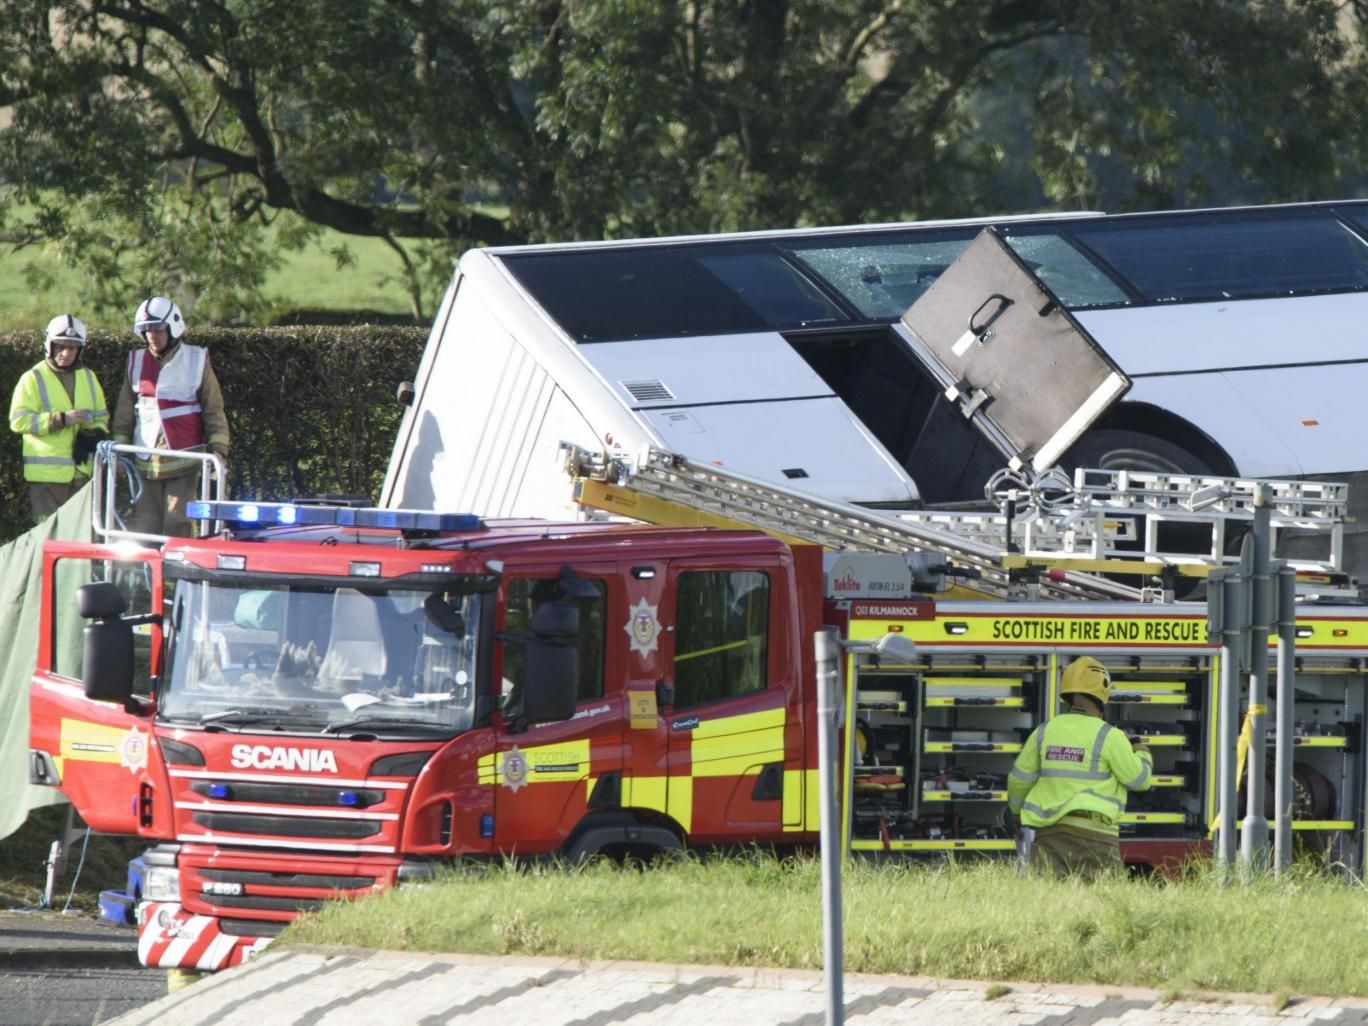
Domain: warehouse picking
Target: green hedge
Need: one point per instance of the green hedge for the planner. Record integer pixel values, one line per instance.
(312, 409)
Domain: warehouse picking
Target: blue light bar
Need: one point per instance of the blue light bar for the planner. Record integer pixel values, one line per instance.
(267, 514)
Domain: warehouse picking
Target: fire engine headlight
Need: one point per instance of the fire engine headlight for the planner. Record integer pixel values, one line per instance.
(161, 883)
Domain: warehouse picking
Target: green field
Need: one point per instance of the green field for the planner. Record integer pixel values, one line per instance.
(985, 921)
(310, 279)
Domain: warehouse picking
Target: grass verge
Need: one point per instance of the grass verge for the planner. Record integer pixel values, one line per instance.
(23, 864)
(311, 278)
(981, 921)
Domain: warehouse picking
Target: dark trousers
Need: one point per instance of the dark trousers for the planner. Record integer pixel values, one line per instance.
(47, 497)
(1064, 851)
(161, 507)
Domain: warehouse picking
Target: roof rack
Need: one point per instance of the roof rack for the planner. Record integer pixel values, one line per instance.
(1055, 538)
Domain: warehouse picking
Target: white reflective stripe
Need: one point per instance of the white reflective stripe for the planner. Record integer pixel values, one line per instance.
(1070, 774)
(217, 954)
(148, 424)
(304, 845)
(1097, 745)
(44, 399)
(51, 461)
(35, 423)
(1120, 803)
(186, 937)
(180, 411)
(1141, 778)
(1081, 822)
(148, 937)
(1029, 778)
(88, 376)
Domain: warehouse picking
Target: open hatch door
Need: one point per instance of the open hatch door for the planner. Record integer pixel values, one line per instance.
(1007, 353)
(98, 753)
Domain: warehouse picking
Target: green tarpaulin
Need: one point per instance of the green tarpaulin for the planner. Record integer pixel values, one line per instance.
(21, 574)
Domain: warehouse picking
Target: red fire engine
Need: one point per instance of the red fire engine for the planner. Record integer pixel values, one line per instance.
(325, 706)
(325, 701)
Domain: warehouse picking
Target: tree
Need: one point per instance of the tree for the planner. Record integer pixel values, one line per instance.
(152, 141)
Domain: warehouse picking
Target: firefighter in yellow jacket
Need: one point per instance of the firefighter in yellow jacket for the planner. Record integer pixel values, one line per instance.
(59, 408)
(170, 400)
(1070, 782)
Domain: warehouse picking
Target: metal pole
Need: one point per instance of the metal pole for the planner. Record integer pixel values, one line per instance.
(1229, 711)
(828, 650)
(1282, 742)
(1254, 830)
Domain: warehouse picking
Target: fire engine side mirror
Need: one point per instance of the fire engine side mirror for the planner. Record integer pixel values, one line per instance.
(107, 644)
(551, 663)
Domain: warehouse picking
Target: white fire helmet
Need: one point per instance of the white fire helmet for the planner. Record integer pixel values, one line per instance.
(66, 329)
(158, 312)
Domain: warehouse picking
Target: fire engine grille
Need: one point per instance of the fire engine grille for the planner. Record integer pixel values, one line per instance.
(331, 881)
(251, 927)
(287, 826)
(262, 903)
(287, 794)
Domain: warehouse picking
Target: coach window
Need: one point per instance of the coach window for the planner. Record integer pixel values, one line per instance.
(721, 636)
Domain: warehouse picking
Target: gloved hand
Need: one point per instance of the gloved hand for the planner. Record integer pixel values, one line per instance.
(84, 446)
(1010, 821)
(1139, 744)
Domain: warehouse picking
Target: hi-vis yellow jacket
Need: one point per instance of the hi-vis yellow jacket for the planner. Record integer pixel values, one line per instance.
(39, 400)
(1076, 770)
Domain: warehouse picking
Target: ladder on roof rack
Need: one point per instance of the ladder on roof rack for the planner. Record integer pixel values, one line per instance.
(1097, 498)
(1075, 536)
(1083, 527)
(654, 488)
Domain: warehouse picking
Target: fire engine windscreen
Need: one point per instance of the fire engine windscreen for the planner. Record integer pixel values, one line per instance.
(321, 658)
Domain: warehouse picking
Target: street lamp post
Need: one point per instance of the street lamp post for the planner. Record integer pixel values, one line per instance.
(894, 648)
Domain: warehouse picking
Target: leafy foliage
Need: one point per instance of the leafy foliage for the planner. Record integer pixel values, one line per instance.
(151, 139)
(311, 409)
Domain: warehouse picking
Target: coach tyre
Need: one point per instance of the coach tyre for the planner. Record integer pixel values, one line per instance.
(1116, 449)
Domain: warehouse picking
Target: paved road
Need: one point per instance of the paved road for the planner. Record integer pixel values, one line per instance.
(331, 987)
(58, 971)
(58, 996)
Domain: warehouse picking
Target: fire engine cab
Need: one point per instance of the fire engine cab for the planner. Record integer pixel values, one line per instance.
(322, 701)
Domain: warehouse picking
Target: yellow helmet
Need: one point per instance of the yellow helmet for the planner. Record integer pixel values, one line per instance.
(1086, 676)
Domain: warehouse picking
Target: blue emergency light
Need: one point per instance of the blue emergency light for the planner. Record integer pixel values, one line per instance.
(273, 514)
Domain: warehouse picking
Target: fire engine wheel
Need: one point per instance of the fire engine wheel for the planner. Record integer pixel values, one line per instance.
(622, 839)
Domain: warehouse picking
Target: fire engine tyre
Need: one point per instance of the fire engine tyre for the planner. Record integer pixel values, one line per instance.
(620, 839)
(1115, 449)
